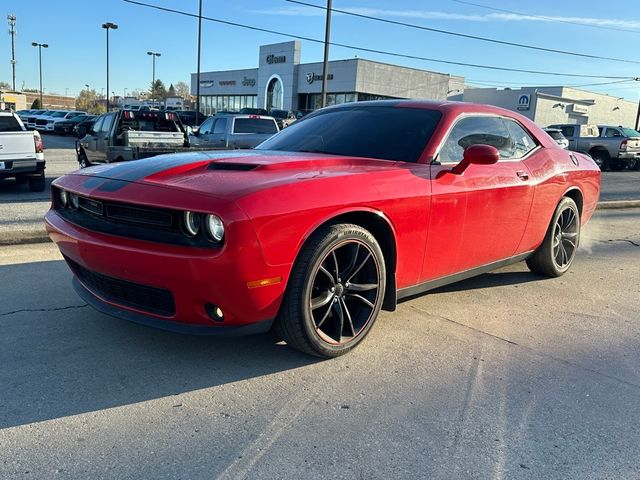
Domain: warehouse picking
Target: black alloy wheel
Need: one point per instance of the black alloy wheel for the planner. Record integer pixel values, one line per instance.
(335, 291)
(633, 163)
(558, 249)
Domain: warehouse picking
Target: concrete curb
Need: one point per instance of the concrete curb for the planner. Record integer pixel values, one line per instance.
(39, 235)
(23, 237)
(612, 204)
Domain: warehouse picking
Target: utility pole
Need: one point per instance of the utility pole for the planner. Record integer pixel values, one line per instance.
(198, 69)
(637, 79)
(325, 63)
(12, 31)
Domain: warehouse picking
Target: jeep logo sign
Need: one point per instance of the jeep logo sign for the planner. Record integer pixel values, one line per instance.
(276, 59)
(524, 102)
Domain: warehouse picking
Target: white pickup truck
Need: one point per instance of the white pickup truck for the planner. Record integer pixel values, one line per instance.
(21, 153)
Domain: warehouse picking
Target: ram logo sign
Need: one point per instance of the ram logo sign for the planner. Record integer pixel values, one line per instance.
(523, 102)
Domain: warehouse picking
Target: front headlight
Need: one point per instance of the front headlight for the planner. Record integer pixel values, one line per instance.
(73, 200)
(214, 227)
(63, 197)
(191, 222)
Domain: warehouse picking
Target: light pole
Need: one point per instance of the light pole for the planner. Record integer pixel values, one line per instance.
(325, 63)
(108, 26)
(125, 92)
(153, 81)
(40, 47)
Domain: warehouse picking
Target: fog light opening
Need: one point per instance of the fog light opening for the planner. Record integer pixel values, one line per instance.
(215, 312)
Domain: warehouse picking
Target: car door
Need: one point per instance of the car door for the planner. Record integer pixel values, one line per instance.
(218, 135)
(89, 141)
(204, 132)
(103, 136)
(478, 217)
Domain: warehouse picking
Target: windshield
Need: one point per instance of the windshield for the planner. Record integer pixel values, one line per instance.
(383, 132)
(59, 114)
(630, 132)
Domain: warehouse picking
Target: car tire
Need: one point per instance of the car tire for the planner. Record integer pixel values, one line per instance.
(37, 183)
(616, 164)
(633, 164)
(334, 293)
(83, 160)
(558, 249)
(601, 158)
(22, 179)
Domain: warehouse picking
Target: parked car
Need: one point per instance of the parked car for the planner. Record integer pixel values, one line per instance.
(82, 127)
(609, 146)
(65, 127)
(558, 137)
(125, 135)
(324, 224)
(252, 111)
(21, 153)
(234, 131)
(32, 117)
(284, 118)
(188, 117)
(47, 124)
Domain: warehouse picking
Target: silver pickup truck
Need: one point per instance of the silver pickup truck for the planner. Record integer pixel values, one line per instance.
(231, 131)
(612, 147)
(21, 153)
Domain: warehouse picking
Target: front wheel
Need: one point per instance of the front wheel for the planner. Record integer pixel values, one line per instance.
(335, 291)
(601, 158)
(83, 160)
(558, 249)
(37, 183)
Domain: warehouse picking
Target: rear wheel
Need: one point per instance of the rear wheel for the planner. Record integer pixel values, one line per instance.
(37, 183)
(558, 249)
(633, 164)
(22, 179)
(335, 292)
(601, 158)
(616, 164)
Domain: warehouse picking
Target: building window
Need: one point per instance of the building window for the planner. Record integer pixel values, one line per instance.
(211, 104)
(274, 94)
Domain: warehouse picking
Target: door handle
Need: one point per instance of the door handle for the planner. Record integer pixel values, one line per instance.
(522, 175)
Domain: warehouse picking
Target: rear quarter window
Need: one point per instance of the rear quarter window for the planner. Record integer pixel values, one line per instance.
(254, 125)
(9, 124)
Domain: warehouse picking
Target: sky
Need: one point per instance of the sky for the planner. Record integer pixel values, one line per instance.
(76, 55)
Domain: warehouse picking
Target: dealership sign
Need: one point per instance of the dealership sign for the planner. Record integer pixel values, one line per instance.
(276, 59)
(524, 101)
(312, 77)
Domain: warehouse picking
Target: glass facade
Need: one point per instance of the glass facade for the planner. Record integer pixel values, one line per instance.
(313, 101)
(210, 104)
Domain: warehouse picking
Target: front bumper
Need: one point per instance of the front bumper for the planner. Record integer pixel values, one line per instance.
(194, 276)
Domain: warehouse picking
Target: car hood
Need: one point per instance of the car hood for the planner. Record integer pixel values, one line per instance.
(233, 174)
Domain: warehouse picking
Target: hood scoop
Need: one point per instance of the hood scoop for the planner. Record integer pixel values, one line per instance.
(234, 167)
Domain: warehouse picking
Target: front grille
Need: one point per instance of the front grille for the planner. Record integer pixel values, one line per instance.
(41, 122)
(129, 294)
(132, 221)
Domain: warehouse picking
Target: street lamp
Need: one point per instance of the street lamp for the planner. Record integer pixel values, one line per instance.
(108, 26)
(40, 47)
(153, 81)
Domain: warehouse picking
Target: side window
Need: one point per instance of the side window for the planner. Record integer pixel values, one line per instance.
(522, 142)
(107, 122)
(98, 125)
(568, 131)
(220, 125)
(205, 128)
(476, 130)
(612, 132)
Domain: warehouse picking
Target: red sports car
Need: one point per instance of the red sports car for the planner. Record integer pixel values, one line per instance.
(329, 221)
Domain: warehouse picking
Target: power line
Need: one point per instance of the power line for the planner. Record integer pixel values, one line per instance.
(548, 19)
(464, 35)
(372, 50)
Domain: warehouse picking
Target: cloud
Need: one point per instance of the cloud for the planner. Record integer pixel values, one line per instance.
(437, 15)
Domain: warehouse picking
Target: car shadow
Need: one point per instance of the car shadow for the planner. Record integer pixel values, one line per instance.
(59, 357)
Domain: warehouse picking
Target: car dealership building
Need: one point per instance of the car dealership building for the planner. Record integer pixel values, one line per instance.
(282, 82)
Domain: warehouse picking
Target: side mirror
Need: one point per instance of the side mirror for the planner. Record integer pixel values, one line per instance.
(478, 154)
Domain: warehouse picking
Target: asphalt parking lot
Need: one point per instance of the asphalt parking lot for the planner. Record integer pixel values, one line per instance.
(508, 375)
